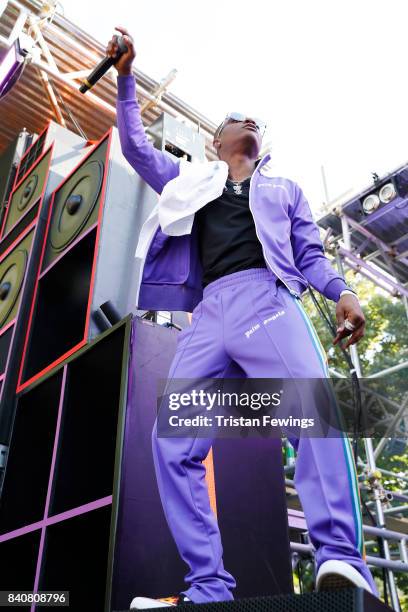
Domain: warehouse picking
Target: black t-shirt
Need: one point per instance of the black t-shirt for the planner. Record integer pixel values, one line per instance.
(226, 234)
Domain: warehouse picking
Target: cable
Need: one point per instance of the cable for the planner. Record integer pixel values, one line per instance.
(355, 383)
(67, 110)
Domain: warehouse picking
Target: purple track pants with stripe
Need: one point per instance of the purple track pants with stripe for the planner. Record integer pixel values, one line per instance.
(215, 345)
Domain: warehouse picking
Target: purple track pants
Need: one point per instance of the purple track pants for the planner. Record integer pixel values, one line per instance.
(215, 345)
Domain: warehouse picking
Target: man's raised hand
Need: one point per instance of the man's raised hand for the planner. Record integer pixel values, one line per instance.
(124, 64)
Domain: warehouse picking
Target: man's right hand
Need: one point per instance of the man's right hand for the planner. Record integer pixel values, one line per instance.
(124, 64)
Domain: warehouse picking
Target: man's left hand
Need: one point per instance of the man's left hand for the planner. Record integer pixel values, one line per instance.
(349, 314)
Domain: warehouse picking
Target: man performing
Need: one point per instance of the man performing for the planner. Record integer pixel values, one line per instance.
(235, 245)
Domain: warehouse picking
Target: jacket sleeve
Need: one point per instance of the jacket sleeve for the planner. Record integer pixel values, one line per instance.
(308, 250)
(154, 166)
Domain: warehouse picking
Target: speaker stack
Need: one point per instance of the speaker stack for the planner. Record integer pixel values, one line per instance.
(41, 168)
(70, 397)
(87, 260)
(56, 507)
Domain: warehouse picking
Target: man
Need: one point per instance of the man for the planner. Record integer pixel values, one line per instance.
(235, 245)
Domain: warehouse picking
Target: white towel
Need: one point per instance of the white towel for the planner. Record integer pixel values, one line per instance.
(196, 185)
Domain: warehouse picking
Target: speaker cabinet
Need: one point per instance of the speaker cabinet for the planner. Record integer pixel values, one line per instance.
(28, 193)
(9, 162)
(88, 256)
(21, 245)
(42, 168)
(17, 275)
(56, 508)
(64, 140)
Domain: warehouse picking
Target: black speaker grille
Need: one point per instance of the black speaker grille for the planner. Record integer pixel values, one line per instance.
(310, 602)
(347, 600)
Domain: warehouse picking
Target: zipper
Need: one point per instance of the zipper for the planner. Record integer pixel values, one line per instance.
(263, 248)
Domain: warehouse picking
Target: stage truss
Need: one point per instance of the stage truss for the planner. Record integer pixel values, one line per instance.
(369, 235)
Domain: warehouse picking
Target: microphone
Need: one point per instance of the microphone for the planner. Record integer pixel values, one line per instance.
(103, 66)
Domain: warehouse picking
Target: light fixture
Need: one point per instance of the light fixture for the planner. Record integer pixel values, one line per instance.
(11, 67)
(371, 203)
(387, 193)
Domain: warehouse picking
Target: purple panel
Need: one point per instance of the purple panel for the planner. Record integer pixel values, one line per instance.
(251, 511)
(146, 558)
(252, 514)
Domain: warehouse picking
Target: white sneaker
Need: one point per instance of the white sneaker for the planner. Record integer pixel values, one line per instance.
(146, 603)
(334, 575)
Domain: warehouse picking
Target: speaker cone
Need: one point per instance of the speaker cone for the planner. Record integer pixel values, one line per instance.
(75, 203)
(28, 191)
(12, 273)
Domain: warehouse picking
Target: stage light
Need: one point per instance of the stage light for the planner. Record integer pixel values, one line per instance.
(371, 203)
(12, 66)
(387, 193)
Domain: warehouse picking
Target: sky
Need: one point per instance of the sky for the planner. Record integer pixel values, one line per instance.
(329, 78)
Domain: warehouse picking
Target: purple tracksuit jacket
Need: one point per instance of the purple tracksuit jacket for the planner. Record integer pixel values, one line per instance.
(172, 274)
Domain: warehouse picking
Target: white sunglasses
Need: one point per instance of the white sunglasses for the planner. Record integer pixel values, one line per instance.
(235, 117)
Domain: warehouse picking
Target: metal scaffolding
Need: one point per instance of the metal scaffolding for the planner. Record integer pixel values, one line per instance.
(369, 234)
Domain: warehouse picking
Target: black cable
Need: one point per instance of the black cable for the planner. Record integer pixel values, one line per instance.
(67, 110)
(327, 318)
(355, 384)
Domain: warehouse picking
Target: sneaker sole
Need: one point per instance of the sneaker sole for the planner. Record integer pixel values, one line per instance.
(146, 603)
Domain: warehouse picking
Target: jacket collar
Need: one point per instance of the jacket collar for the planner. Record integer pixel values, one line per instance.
(264, 166)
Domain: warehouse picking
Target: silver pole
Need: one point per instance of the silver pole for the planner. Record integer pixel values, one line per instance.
(403, 551)
(396, 509)
(368, 445)
(325, 188)
(398, 566)
(405, 300)
(399, 366)
(389, 473)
